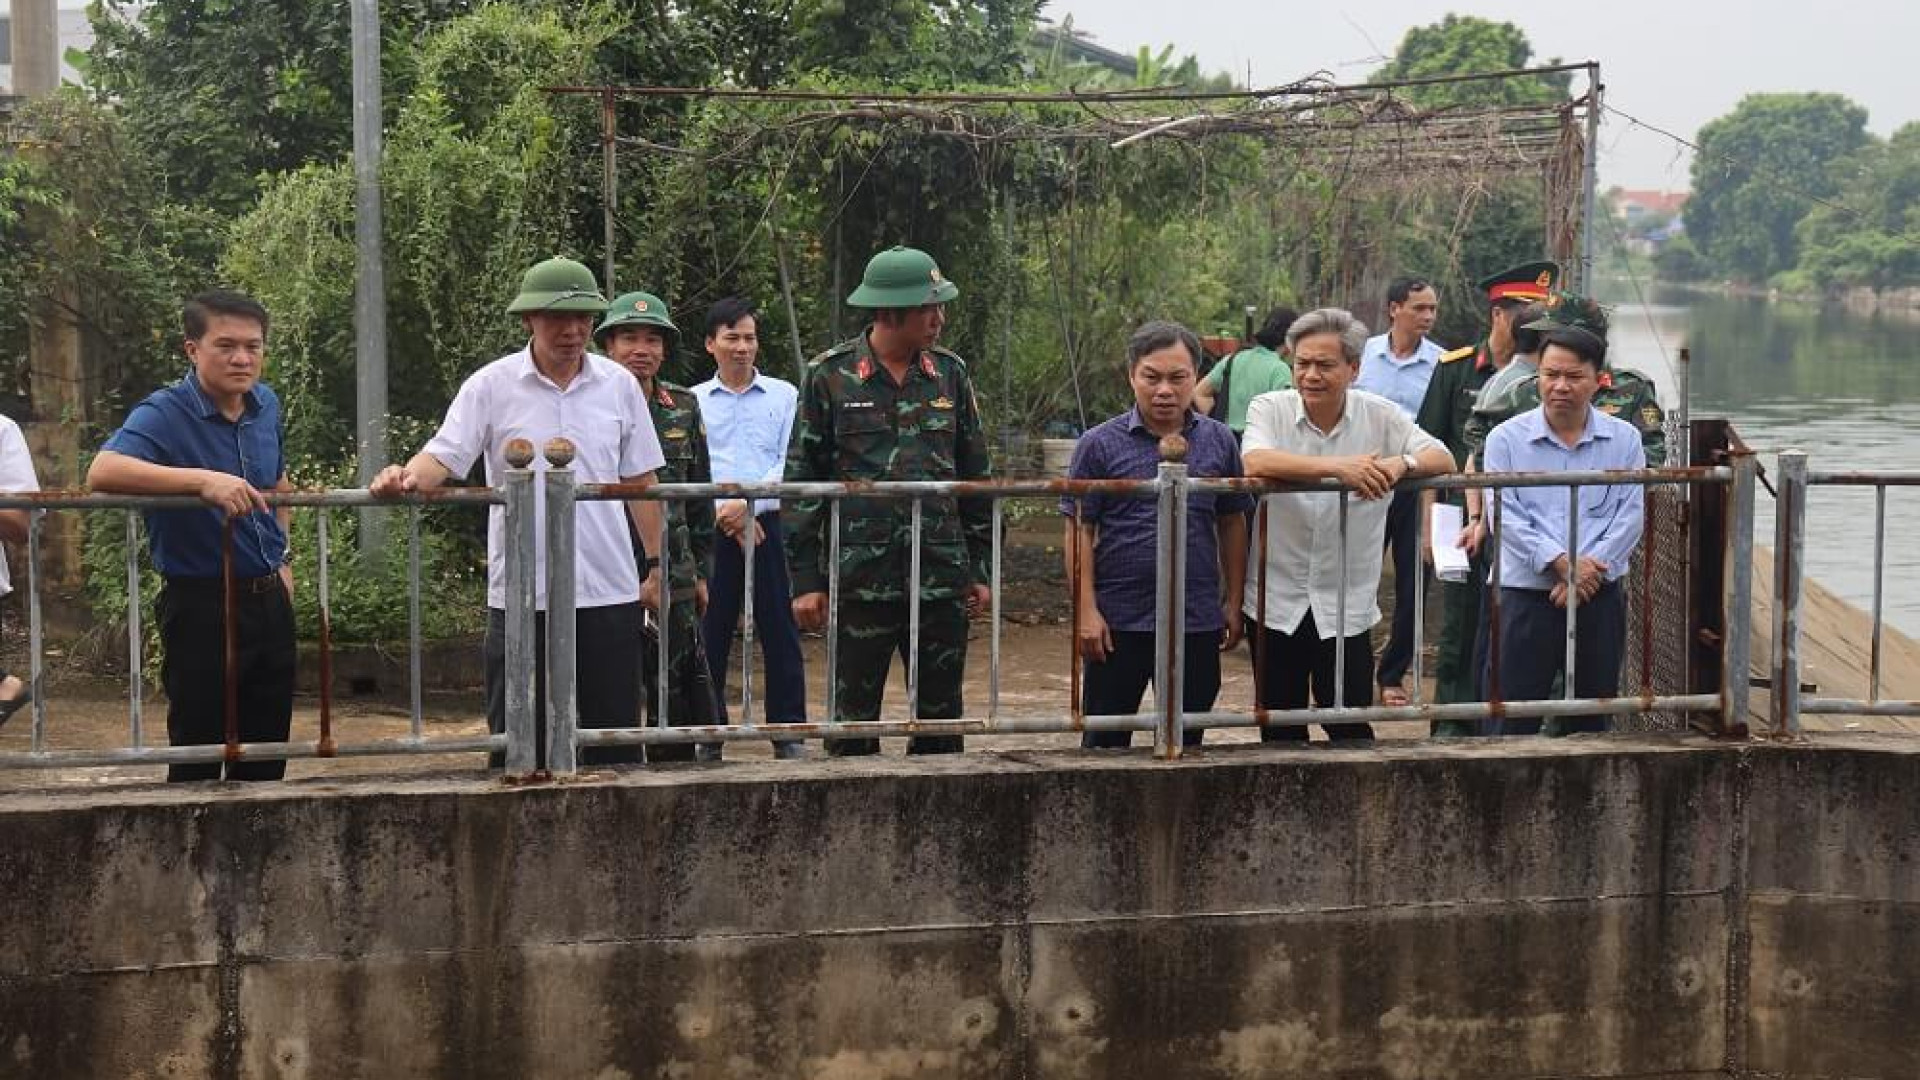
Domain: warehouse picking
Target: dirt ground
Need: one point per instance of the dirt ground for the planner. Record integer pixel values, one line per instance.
(87, 709)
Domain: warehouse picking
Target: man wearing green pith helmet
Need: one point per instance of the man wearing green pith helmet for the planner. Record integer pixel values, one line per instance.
(556, 388)
(638, 333)
(890, 404)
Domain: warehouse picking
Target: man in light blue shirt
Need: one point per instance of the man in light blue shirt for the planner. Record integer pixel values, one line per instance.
(1398, 365)
(749, 417)
(1539, 575)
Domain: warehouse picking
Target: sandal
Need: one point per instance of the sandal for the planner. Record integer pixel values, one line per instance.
(14, 705)
(1394, 696)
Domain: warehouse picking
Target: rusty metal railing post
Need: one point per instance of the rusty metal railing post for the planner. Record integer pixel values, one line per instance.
(1789, 555)
(1736, 645)
(1170, 644)
(523, 756)
(562, 702)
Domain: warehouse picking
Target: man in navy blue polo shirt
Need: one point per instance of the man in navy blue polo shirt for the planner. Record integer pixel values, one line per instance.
(1116, 536)
(215, 435)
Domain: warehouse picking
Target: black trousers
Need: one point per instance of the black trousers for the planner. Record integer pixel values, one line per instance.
(1533, 651)
(785, 694)
(191, 615)
(1292, 664)
(1409, 574)
(1116, 685)
(606, 643)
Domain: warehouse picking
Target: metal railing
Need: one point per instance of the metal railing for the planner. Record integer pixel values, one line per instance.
(1793, 481)
(565, 734)
(514, 495)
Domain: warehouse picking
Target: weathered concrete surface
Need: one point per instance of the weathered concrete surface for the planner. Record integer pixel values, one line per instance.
(1569, 908)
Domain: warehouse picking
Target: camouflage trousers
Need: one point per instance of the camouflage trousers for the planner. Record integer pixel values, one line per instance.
(1456, 662)
(871, 634)
(692, 698)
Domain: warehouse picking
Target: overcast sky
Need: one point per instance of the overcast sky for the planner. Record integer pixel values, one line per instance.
(1672, 64)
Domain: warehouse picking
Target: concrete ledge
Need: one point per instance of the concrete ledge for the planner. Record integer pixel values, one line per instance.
(1590, 907)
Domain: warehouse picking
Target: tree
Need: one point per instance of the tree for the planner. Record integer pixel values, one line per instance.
(1871, 235)
(1756, 173)
(1464, 44)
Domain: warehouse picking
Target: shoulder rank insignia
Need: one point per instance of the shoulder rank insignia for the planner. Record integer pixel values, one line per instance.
(1457, 354)
(674, 433)
(941, 402)
(1650, 416)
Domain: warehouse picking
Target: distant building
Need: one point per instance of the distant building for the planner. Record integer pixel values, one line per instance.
(75, 33)
(1636, 207)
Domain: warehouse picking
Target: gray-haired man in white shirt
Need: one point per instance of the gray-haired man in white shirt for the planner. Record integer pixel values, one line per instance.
(1322, 429)
(556, 388)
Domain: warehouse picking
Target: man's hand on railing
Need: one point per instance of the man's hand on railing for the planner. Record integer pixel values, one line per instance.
(732, 515)
(1092, 636)
(1366, 474)
(391, 481)
(810, 611)
(230, 494)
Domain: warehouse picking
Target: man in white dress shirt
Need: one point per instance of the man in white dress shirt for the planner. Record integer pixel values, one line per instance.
(1323, 429)
(556, 388)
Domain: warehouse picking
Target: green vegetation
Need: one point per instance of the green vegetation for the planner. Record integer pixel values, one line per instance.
(1792, 191)
(212, 148)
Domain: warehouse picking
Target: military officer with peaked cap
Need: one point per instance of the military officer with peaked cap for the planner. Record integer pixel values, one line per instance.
(890, 404)
(1444, 414)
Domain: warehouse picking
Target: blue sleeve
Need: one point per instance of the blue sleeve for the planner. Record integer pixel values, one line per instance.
(1623, 514)
(1085, 466)
(143, 436)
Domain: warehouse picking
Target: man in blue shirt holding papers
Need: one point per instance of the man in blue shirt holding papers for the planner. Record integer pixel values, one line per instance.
(1539, 575)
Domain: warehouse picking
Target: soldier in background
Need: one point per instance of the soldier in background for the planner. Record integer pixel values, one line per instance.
(1462, 374)
(638, 333)
(891, 405)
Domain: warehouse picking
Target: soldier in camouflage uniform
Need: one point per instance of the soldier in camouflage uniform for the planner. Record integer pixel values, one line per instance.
(891, 405)
(638, 333)
(1443, 414)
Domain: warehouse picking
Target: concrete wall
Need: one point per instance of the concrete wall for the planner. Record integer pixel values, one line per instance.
(1649, 907)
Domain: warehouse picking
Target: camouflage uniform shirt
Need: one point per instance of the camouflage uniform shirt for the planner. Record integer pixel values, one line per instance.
(855, 424)
(683, 440)
(1624, 393)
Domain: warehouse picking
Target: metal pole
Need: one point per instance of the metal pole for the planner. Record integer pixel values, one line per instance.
(993, 651)
(913, 613)
(1163, 619)
(1169, 738)
(1789, 553)
(1680, 448)
(609, 178)
(413, 619)
(523, 754)
(370, 279)
(1879, 587)
(663, 646)
(36, 662)
(1573, 591)
(135, 692)
(34, 33)
(748, 551)
(1735, 678)
(561, 702)
(321, 556)
(833, 611)
(1340, 616)
(1591, 176)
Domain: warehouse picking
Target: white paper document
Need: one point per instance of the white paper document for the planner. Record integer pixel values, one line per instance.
(1449, 558)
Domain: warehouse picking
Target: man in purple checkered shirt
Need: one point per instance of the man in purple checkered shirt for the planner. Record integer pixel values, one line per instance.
(1116, 537)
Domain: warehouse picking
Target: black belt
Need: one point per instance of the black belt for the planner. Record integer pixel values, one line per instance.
(250, 586)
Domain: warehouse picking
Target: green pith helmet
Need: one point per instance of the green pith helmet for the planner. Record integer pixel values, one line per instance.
(636, 309)
(558, 285)
(902, 277)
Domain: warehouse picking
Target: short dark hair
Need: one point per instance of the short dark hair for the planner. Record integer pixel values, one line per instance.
(1273, 333)
(1404, 286)
(729, 310)
(1525, 340)
(1159, 334)
(203, 307)
(1589, 347)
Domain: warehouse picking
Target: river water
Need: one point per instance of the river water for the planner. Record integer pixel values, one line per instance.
(1841, 385)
